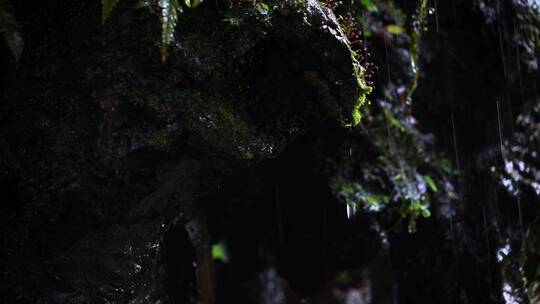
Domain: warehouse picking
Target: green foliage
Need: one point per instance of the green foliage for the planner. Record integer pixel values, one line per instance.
(9, 28)
(107, 8)
(192, 3)
(168, 19)
(168, 11)
(395, 169)
(368, 4)
(219, 253)
(395, 29)
(393, 121)
(430, 182)
(417, 27)
(413, 211)
(521, 163)
(344, 277)
(405, 159)
(399, 167)
(353, 193)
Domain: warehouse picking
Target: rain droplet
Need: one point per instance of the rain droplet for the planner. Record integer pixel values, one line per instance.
(408, 101)
(431, 10)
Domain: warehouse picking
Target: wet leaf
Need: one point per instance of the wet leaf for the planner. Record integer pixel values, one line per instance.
(265, 7)
(368, 4)
(192, 3)
(344, 277)
(394, 121)
(107, 8)
(9, 28)
(430, 182)
(168, 18)
(219, 252)
(395, 29)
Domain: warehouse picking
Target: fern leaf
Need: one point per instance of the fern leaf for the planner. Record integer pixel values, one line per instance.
(10, 30)
(15, 43)
(168, 18)
(107, 8)
(192, 3)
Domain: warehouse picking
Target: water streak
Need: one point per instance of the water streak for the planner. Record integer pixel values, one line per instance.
(455, 141)
(501, 146)
(501, 44)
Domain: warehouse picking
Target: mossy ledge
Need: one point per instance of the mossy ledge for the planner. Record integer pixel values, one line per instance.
(240, 83)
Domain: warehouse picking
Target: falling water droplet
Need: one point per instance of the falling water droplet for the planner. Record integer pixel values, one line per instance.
(387, 59)
(351, 210)
(455, 141)
(500, 131)
(520, 215)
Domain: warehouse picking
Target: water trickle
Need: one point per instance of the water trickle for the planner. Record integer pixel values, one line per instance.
(455, 141)
(458, 168)
(500, 131)
(501, 43)
(387, 59)
(520, 220)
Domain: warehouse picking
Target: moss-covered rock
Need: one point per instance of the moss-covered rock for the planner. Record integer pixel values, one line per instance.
(123, 147)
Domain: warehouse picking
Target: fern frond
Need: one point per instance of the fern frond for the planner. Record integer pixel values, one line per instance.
(15, 43)
(168, 18)
(10, 30)
(107, 8)
(192, 3)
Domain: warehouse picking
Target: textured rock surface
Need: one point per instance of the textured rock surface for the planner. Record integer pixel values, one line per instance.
(120, 148)
(118, 172)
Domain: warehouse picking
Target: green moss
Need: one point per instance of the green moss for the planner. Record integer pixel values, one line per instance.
(231, 120)
(353, 193)
(160, 139)
(354, 117)
(219, 252)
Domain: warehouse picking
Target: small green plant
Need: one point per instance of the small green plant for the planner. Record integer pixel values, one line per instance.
(417, 28)
(10, 29)
(167, 11)
(219, 252)
(368, 4)
(344, 277)
(107, 8)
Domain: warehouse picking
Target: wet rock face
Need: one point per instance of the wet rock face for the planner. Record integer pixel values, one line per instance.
(240, 81)
(120, 148)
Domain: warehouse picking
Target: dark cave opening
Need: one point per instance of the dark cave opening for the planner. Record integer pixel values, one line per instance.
(282, 214)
